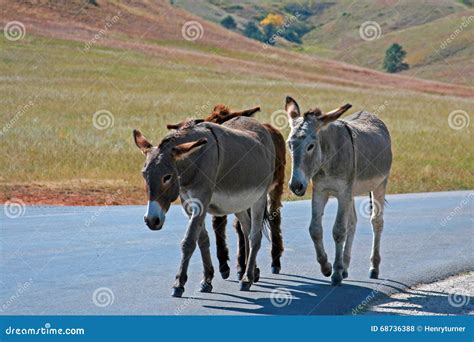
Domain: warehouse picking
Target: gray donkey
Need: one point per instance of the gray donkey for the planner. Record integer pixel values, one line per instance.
(343, 158)
(216, 169)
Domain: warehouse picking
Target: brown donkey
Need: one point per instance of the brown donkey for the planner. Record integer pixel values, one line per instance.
(219, 115)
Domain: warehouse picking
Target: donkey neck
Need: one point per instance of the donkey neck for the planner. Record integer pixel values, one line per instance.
(336, 151)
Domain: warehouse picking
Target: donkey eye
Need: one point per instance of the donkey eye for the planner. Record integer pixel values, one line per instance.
(310, 147)
(167, 178)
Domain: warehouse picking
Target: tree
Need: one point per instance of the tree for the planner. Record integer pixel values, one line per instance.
(229, 23)
(252, 31)
(393, 61)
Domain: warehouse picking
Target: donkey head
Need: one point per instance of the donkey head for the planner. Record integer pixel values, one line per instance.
(160, 174)
(304, 142)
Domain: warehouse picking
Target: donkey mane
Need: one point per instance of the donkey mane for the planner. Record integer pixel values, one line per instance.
(183, 128)
(315, 111)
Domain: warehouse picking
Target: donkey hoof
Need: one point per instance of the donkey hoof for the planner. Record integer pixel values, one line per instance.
(336, 279)
(326, 269)
(225, 271)
(276, 270)
(373, 273)
(177, 292)
(345, 274)
(245, 286)
(257, 275)
(206, 287)
(240, 275)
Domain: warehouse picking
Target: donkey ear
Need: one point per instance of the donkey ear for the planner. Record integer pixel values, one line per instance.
(292, 108)
(247, 112)
(143, 144)
(182, 151)
(174, 126)
(335, 114)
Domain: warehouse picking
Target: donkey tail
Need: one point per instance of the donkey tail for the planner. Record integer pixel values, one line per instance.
(267, 230)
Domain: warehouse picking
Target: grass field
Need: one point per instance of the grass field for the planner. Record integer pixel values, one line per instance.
(51, 90)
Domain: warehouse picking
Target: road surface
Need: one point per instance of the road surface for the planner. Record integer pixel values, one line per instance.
(104, 260)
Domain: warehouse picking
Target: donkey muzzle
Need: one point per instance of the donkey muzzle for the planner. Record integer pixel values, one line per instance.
(154, 216)
(298, 187)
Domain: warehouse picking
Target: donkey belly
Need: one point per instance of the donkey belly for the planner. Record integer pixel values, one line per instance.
(224, 203)
(362, 187)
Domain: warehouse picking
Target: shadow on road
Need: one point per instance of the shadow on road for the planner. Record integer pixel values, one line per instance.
(298, 295)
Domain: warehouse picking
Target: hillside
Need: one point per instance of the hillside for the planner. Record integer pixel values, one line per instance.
(131, 61)
(333, 31)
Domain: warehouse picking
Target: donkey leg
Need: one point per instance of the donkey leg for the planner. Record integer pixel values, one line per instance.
(376, 220)
(316, 230)
(188, 245)
(351, 226)
(219, 224)
(255, 240)
(339, 234)
(275, 227)
(241, 252)
(203, 242)
(242, 226)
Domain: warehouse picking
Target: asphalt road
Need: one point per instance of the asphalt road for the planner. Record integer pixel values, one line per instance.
(103, 260)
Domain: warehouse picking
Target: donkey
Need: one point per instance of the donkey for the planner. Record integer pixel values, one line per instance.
(219, 115)
(343, 158)
(216, 169)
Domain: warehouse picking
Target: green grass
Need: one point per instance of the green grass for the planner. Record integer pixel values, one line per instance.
(420, 27)
(55, 139)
